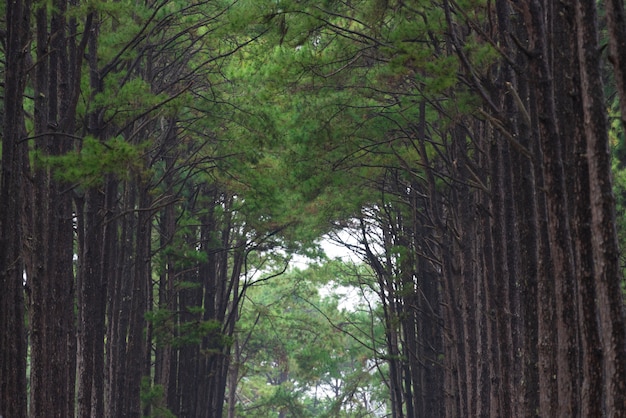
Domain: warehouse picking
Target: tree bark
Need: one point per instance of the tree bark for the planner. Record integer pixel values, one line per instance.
(51, 309)
(94, 266)
(559, 234)
(570, 118)
(607, 272)
(13, 345)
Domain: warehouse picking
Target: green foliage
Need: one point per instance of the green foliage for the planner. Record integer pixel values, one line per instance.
(302, 352)
(124, 99)
(153, 398)
(275, 142)
(170, 329)
(618, 149)
(94, 160)
(334, 102)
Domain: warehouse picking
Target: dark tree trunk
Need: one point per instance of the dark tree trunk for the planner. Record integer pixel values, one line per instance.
(558, 222)
(429, 380)
(546, 311)
(51, 308)
(118, 315)
(136, 336)
(165, 354)
(501, 277)
(570, 119)
(453, 318)
(188, 357)
(429, 328)
(94, 268)
(607, 271)
(386, 296)
(491, 305)
(38, 228)
(526, 205)
(449, 400)
(12, 331)
(546, 315)
(468, 282)
(89, 285)
(482, 247)
(96, 241)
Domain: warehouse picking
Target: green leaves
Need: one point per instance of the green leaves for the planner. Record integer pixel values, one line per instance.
(153, 396)
(171, 329)
(94, 160)
(300, 350)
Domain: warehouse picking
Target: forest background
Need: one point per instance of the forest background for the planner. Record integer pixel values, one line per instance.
(164, 161)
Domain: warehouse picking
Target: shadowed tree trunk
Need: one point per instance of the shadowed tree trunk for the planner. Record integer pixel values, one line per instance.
(558, 216)
(570, 119)
(96, 236)
(14, 153)
(52, 322)
(607, 272)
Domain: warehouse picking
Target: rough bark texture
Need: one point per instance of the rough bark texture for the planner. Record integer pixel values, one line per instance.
(607, 271)
(570, 118)
(12, 333)
(559, 234)
(51, 266)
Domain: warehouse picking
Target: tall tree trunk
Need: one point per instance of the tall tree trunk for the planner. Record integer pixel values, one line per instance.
(386, 296)
(607, 271)
(570, 119)
(190, 376)
(120, 296)
(164, 355)
(40, 210)
(428, 380)
(96, 241)
(135, 333)
(468, 283)
(448, 399)
(52, 315)
(526, 204)
(12, 331)
(559, 233)
(491, 304)
(453, 318)
(94, 267)
(91, 269)
(501, 277)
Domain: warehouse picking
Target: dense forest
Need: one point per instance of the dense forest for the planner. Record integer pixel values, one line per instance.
(165, 162)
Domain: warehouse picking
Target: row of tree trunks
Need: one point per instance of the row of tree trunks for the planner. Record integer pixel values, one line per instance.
(409, 294)
(165, 361)
(500, 254)
(569, 112)
(533, 321)
(545, 266)
(607, 274)
(559, 233)
(50, 267)
(88, 246)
